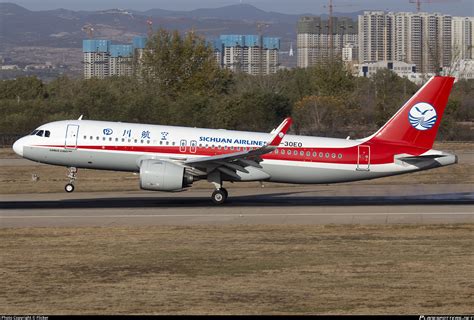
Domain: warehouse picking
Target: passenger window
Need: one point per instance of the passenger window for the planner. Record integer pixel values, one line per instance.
(85, 137)
(315, 154)
(116, 139)
(339, 155)
(308, 154)
(103, 138)
(110, 139)
(47, 134)
(91, 137)
(97, 138)
(320, 154)
(327, 154)
(295, 153)
(301, 153)
(276, 151)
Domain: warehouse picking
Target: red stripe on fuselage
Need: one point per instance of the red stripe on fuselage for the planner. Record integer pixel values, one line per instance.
(379, 153)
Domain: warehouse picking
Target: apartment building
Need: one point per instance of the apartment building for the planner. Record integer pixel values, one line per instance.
(103, 59)
(423, 39)
(318, 40)
(251, 54)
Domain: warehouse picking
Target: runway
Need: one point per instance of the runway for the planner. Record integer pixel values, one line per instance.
(429, 204)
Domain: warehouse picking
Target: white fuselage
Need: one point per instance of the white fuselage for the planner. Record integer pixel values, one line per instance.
(299, 159)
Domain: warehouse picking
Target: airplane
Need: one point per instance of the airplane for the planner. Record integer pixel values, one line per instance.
(170, 158)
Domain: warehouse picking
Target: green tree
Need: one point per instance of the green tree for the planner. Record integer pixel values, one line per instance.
(177, 64)
(332, 79)
(23, 88)
(391, 92)
(319, 115)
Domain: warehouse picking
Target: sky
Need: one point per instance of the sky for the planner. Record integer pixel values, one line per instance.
(453, 7)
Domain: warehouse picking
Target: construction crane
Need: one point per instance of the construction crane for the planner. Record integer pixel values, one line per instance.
(419, 2)
(330, 7)
(260, 27)
(89, 29)
(149, 27)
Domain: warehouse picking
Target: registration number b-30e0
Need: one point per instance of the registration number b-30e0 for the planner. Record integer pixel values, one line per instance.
(293, 144)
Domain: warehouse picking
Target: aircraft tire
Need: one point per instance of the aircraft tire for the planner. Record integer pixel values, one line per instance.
(219, 196)
(69, 187)
(225, 192)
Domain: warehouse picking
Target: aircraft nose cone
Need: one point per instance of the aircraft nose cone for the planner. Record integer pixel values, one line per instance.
(18, 147)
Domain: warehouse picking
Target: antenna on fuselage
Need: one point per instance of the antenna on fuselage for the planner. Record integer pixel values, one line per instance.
(80, 118)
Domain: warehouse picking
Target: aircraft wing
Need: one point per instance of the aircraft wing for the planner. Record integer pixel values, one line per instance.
(237, 161)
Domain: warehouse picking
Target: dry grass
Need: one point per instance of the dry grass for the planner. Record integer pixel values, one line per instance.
(18, 179)
(238, 270)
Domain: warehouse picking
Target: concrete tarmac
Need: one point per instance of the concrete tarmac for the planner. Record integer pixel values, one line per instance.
(344, 204)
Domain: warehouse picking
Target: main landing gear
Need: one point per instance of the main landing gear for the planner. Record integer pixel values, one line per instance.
(219, 196)
(72, 175)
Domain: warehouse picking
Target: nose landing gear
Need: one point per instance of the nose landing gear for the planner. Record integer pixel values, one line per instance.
(72, 175)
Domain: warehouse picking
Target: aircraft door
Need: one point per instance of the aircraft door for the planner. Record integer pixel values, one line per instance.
(193, 146)
(182, 146)
(72, 133)
(363, 159)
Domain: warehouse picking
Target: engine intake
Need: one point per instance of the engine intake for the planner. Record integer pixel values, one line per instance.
(161, 175)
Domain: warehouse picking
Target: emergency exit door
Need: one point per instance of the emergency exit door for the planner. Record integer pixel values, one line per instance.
(363, 159)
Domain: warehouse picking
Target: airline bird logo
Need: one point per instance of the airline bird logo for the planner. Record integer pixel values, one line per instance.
(422, 116)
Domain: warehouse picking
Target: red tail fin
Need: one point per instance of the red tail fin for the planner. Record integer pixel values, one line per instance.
(417, 122)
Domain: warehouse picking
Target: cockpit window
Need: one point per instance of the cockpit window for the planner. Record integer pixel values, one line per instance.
(47, 133)
(33, 132)
(40, 133)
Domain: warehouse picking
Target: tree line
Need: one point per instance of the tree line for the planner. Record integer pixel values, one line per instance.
(179, 83)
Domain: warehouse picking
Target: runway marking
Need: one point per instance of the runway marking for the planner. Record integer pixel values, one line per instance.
(239, 215)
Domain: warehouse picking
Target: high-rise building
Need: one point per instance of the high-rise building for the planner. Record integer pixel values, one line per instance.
(103, 59)
(251, 54)
(423, 39)
(462, 38)
(316, 43)
(376, 36)
(96, 58)
(121, 60)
